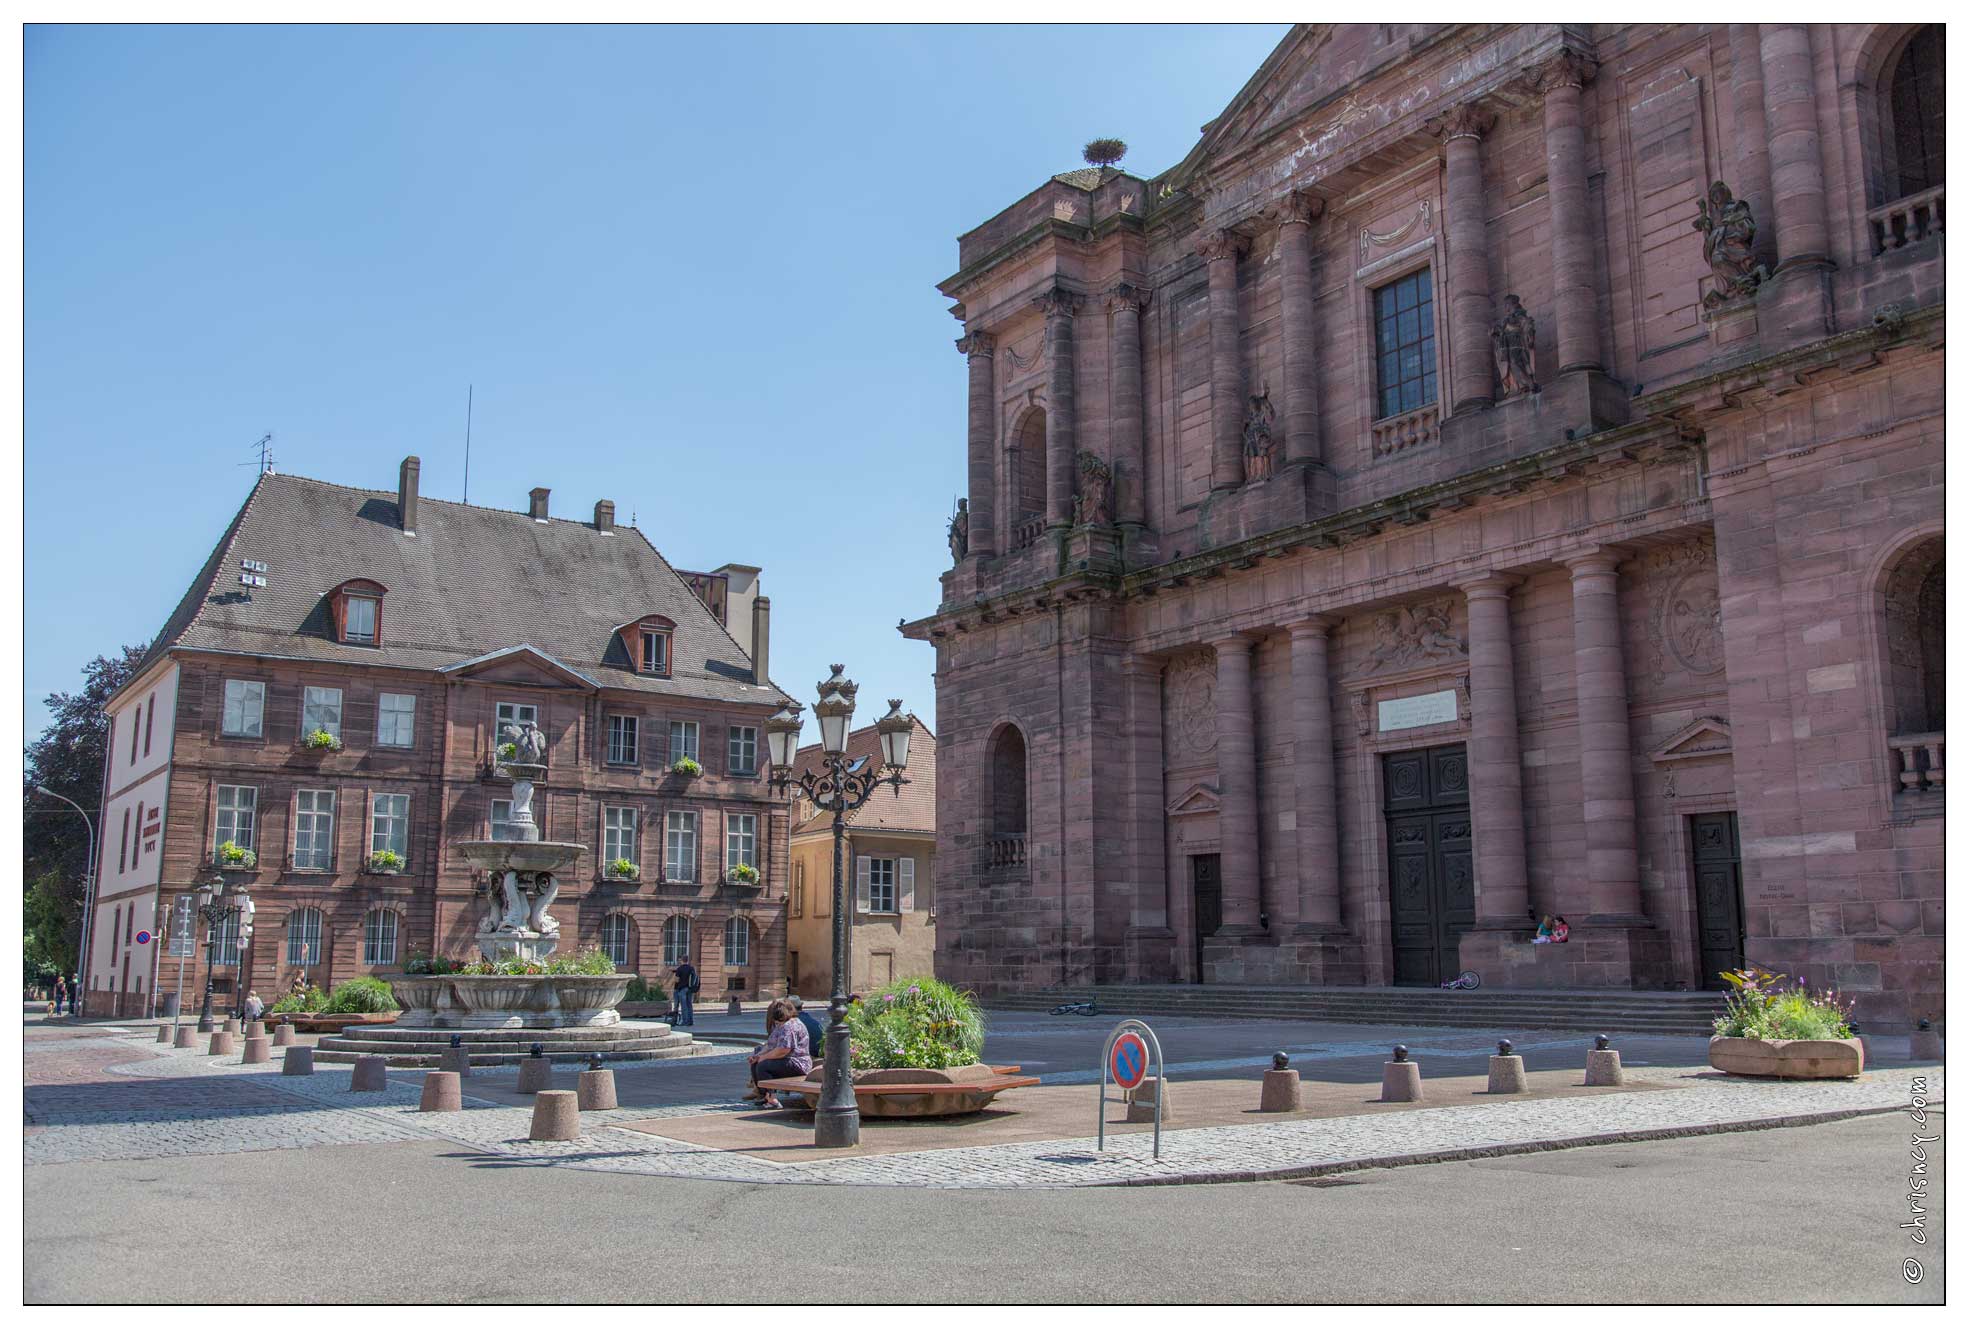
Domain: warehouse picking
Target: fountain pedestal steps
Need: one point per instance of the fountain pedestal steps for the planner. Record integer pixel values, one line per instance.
(409, 1048)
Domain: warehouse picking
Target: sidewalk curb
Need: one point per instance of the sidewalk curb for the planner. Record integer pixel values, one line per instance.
(1304, 1171)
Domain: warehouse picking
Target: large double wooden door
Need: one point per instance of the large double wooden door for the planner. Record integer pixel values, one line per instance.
(1719, 894)
(1431, 876)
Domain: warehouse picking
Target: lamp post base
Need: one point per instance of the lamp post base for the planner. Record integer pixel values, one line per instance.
(837, 1128)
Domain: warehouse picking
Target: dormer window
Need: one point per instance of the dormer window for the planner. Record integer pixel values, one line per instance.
(647, 643)
(357, 607)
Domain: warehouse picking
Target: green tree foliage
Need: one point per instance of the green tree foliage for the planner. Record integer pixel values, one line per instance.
(68, 758)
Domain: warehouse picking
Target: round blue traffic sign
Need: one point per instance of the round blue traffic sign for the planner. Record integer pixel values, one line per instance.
(143, 938)
(1128, 1060)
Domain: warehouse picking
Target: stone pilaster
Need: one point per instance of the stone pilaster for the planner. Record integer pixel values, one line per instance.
(1059, 306)
(1462, 129)
(1797, 168)
(1294, 216)
(1575, 291)
(1316, 810)
(1606, 772)
(1497, 802)
(1129, 437)
(1150, 941)
(1237, 787)
(977, 348)
(1751, 136)
(1220, 249)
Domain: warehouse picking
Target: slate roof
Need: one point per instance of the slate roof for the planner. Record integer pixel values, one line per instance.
(914, 809)
(471, 582)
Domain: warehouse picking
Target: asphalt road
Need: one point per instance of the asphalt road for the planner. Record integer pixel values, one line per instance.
(1805, 1214)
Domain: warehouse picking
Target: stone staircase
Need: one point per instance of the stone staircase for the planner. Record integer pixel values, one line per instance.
(1588, 1011)
(412, 1048)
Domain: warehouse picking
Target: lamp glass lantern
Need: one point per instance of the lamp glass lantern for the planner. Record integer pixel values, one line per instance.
(783, 737)
(834, 711)
(893, 729)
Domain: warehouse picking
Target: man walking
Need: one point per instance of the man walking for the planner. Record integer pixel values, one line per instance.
(684, 978)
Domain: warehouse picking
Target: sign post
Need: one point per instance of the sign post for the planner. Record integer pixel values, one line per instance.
(181, 946)
(1125, 1060)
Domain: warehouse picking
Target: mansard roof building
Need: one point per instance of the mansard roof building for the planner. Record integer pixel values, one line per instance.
(318, 722)
(1496, 474)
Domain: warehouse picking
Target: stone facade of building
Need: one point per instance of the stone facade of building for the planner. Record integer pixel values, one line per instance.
(889, 870)
(467, 617)
(1497, 473)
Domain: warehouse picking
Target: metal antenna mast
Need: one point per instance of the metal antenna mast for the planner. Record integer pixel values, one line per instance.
(468, 443)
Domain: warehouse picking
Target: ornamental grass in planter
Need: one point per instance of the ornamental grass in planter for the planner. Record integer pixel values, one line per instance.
(916, 1023)
(1769, 1027)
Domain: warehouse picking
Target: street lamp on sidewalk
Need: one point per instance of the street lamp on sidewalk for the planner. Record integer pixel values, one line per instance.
(88, 894)
(216, 908)
(838, 785)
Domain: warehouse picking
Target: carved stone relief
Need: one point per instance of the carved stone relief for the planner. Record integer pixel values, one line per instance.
(1685, 620)
(1411, 635)
(1192, 700)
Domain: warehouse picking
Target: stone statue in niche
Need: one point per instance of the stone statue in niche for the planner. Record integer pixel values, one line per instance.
(1413, 635)
(960, 531)
(1512, 341)
(1729, 240)
(1258, 441)
(1095, 504)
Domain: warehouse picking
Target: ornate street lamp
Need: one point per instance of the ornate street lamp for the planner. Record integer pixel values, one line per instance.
(214, 908)
(243, 958)
(838, 786)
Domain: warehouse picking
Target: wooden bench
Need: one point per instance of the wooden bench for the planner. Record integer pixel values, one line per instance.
(912, 1098)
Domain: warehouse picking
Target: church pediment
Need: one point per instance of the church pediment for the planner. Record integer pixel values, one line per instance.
(1706, 737)
(1198, 798)
(527, 665)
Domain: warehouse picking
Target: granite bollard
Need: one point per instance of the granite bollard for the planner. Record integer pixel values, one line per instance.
(1142, 1100)
(185, 1037)
(1603, 1065)
(1281, 1088)
(1401, 1079)
(556, 1115)
(283, 1035)
(441, 1093)
(1507, 1070)
(595, 1091)
(1925, 1043)
(298, 1061)
(259, 1049)
(256, 1028)
(220, 1045)
(232, 1024)
(536, 1072)
(165, 1033)
(371, 1075)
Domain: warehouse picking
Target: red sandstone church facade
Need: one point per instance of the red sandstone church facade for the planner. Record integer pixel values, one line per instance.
(1320, 617)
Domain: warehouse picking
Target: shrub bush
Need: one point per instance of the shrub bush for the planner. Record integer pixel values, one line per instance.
(1761, 1006)
(306, 1000)
(360, 996)
(419, 962)
(916, 1022)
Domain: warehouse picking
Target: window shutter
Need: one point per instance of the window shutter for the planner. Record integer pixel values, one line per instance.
(864, 883)
(368, 840)
(906, 869)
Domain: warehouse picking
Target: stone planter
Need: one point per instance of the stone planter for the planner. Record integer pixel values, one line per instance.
(335, 1024)
(510, 1001)
(1788, 1058)
(955, 1101)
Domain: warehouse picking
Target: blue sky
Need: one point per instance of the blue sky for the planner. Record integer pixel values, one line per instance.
(689, 269)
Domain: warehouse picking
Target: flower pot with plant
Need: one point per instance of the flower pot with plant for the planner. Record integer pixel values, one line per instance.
(742, 874)
(1771, 1027)
(320, 740)
(687, 767)
(230, 855)
(386, 862)
(621, 869)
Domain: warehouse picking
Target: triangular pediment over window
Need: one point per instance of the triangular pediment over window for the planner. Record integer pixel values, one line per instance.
(1196, 799)
(1706, 737)
(522, 664)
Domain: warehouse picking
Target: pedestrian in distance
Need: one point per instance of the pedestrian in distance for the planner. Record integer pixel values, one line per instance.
(61, 993)
(254, 1006)
(683, 989)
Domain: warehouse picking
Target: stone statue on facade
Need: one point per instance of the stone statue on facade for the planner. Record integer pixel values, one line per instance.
(1729, 241)
(1512, 345)
(1258, 440)
(1095, 504)
(960, 531)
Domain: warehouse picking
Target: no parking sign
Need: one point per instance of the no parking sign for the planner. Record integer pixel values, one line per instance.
(1125, 1061)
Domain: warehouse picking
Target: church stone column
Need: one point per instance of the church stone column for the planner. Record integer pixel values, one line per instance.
(1575, 293)
(1606, 771)
(1751, 135)
(1145, 855)
(1462, 129)
(1059, 306)
(1797, 168)
(1237, 786)
(1130, 436)
(1316, 811)
(1497, 801)
(977, 348)
(1294, 215)
(1220, 249)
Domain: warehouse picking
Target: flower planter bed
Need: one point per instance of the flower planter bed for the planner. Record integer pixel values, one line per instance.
(1789, 1058)
(330, 1024)
(914, 1092)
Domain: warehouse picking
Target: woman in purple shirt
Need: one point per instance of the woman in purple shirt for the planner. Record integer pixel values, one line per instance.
(783, 1055)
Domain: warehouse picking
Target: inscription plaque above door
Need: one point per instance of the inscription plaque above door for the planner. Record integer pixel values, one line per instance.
(1414, 712)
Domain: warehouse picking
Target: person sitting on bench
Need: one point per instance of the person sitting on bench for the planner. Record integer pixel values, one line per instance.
(784, 1055)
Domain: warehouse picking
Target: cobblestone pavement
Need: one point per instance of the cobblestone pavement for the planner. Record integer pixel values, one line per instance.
(139, 1100)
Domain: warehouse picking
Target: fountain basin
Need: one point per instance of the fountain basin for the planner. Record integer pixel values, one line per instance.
(519, 855)
(510, 1001)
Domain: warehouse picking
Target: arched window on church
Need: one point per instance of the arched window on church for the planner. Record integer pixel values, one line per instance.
(1916, 617)
(1028, 472)
(1006, 846)
(1902, 121)
(1914, 102)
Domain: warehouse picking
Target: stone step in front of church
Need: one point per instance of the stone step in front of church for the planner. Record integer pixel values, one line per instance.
(1672, 1013)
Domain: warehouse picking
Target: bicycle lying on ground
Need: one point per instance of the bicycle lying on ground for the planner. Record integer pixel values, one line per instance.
(1078, 1008)
(1467, 981)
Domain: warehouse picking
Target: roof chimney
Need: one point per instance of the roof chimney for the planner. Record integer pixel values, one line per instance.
(536, 506)
(604, 515)
(407, 495)
(762, 609)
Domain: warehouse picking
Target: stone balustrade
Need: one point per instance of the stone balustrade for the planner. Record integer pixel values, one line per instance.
(1411, 429)
(1005, 851)
(1906, 221)
(1028, 531)
(1919, 761)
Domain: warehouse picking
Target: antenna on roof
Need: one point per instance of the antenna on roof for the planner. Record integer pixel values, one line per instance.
(468, 443)
(265, 448)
